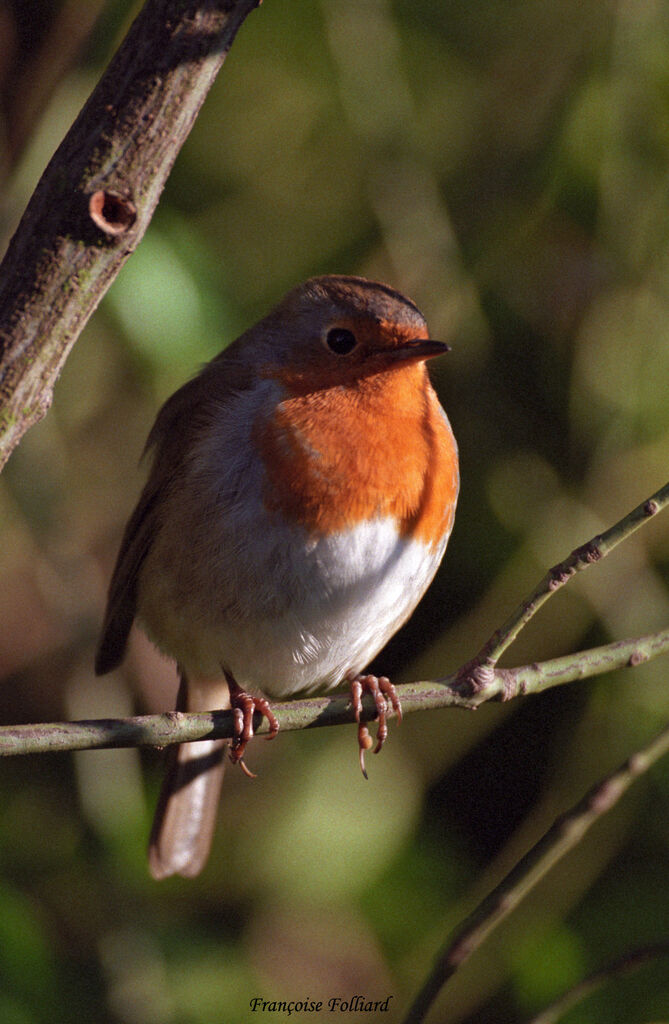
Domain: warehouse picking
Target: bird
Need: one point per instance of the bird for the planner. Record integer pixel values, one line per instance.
(300, 497)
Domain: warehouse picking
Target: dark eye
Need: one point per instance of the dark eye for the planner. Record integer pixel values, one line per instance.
(340, 341)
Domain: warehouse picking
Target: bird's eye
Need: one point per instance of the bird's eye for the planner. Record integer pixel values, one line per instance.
(340, 341)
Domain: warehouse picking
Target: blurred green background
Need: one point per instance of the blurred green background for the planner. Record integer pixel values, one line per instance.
(506, 164)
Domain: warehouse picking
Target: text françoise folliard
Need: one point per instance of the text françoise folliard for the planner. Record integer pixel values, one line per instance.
(356, 1004)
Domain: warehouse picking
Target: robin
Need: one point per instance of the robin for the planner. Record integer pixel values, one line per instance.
(300, 499)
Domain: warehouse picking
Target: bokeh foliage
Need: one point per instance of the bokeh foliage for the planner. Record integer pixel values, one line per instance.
(507, 165)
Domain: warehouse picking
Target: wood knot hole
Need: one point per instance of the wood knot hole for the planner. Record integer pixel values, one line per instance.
(112, 213)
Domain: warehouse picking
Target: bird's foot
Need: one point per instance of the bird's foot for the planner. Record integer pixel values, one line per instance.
(243, 706)
(383, 692)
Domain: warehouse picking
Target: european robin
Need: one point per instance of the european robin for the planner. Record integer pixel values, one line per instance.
(300, 499)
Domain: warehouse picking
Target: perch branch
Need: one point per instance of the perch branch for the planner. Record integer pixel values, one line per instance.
(562, 837)
(98, 193)
(178, 727)
(452, 691)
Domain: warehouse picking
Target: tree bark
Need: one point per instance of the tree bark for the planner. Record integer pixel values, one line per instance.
(98, 193)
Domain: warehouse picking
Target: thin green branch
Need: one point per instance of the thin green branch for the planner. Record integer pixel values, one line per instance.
(177, 727)
(474, 673)
(593, 662)
(562, 837)
(629, 961)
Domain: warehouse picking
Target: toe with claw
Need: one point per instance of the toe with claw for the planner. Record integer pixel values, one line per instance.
(383, 692)
(244, 705)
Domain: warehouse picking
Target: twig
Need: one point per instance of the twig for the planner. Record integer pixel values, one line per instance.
(98, 193)
(627, 962)
(593, 662)
(474, 674)
(178, 727)
(559, 840)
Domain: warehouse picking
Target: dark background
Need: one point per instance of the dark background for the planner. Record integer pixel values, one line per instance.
(507, 166)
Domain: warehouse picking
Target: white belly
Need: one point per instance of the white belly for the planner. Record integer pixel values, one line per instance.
(358, 590)
(303, 616)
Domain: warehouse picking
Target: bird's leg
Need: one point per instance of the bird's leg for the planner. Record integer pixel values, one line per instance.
(383, 692)
(243, 706)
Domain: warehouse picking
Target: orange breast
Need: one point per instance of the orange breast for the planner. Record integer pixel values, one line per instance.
(380, 448)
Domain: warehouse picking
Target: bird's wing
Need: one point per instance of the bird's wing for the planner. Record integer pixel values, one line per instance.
(169, 441)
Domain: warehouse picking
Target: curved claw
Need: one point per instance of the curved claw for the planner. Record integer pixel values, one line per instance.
(383, 692)
(364, 743)
(244, 705)
(247, 771)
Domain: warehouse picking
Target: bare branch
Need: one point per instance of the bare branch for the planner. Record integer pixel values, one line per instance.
(178, 727)
(98, 193)
(473, 674)
(562, 837)
(629, 961)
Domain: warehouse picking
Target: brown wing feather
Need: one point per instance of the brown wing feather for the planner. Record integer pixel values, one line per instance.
(180, 418)
(122, 597)
(167, 444)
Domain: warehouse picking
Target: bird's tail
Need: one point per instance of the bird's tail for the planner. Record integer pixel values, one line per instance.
(183, 825)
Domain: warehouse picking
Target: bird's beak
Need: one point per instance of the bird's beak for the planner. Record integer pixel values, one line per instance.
(419, 348)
